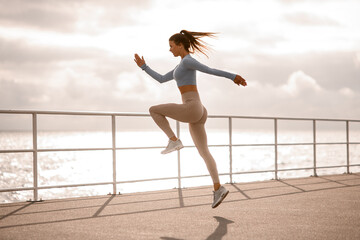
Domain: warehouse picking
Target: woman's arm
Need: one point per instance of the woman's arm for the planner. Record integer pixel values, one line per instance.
(158, 77)
(196, 65)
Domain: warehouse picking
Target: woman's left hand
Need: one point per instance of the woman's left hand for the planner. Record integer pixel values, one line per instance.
(240, 81)
(139, 61)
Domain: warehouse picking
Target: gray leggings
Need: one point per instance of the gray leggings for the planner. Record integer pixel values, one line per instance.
(193, 112)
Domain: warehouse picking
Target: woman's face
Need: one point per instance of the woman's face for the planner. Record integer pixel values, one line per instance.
(175, 49)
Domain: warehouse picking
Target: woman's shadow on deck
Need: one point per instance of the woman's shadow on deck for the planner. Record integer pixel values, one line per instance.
(219, 232)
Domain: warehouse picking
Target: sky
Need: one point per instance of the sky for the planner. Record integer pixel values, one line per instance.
(301, 58)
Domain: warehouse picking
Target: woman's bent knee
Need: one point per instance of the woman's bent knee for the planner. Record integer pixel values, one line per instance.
(152, 109)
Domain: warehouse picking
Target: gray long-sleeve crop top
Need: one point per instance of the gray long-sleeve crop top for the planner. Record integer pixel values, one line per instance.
(185, 72)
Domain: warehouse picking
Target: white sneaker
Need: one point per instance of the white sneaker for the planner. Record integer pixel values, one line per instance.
(219, 196)
(172, 146)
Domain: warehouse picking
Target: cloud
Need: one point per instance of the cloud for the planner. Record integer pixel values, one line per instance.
(301, 84)
(45, 65)
(300, 95)
(20, 95)
(54, 15)
(87, 87)
(22, 51)
(68, 16)
(75, 95)
(332, 70)
(347, 92)
(307, 19)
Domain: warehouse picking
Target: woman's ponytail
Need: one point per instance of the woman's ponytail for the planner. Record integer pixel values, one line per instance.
(192, 41)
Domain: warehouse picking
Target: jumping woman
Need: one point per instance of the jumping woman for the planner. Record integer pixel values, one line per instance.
(191, 110)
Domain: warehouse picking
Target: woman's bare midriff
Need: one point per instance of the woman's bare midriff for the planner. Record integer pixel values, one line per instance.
(188, 88)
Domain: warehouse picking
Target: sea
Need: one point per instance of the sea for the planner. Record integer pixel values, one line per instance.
(96, 166)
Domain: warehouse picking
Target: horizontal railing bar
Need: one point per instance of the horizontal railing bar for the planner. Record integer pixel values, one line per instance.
(205, 175)
(79, 113)
(56, 186)
(16, 189)
(73, 149)
(75, 185)
(158, 147)
(279, 170)
(269, 144)
(97, 149)
(253, 145)
(250, 172)
(132, 114)
(215, 145)
(139, 148)
(282, 118)
(197, 176)
(170, 178)
(147, 180)
(309, 168)
(295, 169)
(333, 143)
(16, 151)
(286, 144)
(167, 178)
(354, 165)
(339, 166)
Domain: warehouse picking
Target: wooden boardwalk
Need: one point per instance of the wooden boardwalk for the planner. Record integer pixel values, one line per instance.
(325, 207)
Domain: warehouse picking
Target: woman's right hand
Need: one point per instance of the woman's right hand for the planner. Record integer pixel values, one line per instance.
(139, 61)
(240, 81)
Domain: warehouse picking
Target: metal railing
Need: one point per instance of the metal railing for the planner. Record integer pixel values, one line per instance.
(113, 115)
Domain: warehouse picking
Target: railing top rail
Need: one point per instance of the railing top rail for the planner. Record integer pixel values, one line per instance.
(135, 114)
(89, 113)
(283, 118)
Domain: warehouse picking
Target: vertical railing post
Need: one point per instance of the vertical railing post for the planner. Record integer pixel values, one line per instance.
(35, 156)
(314, 146)
(113, 131)
(230, 148)
(347, 149)
(178, 154)
(276, 148)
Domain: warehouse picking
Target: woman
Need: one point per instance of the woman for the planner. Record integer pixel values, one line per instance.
(191, 111)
